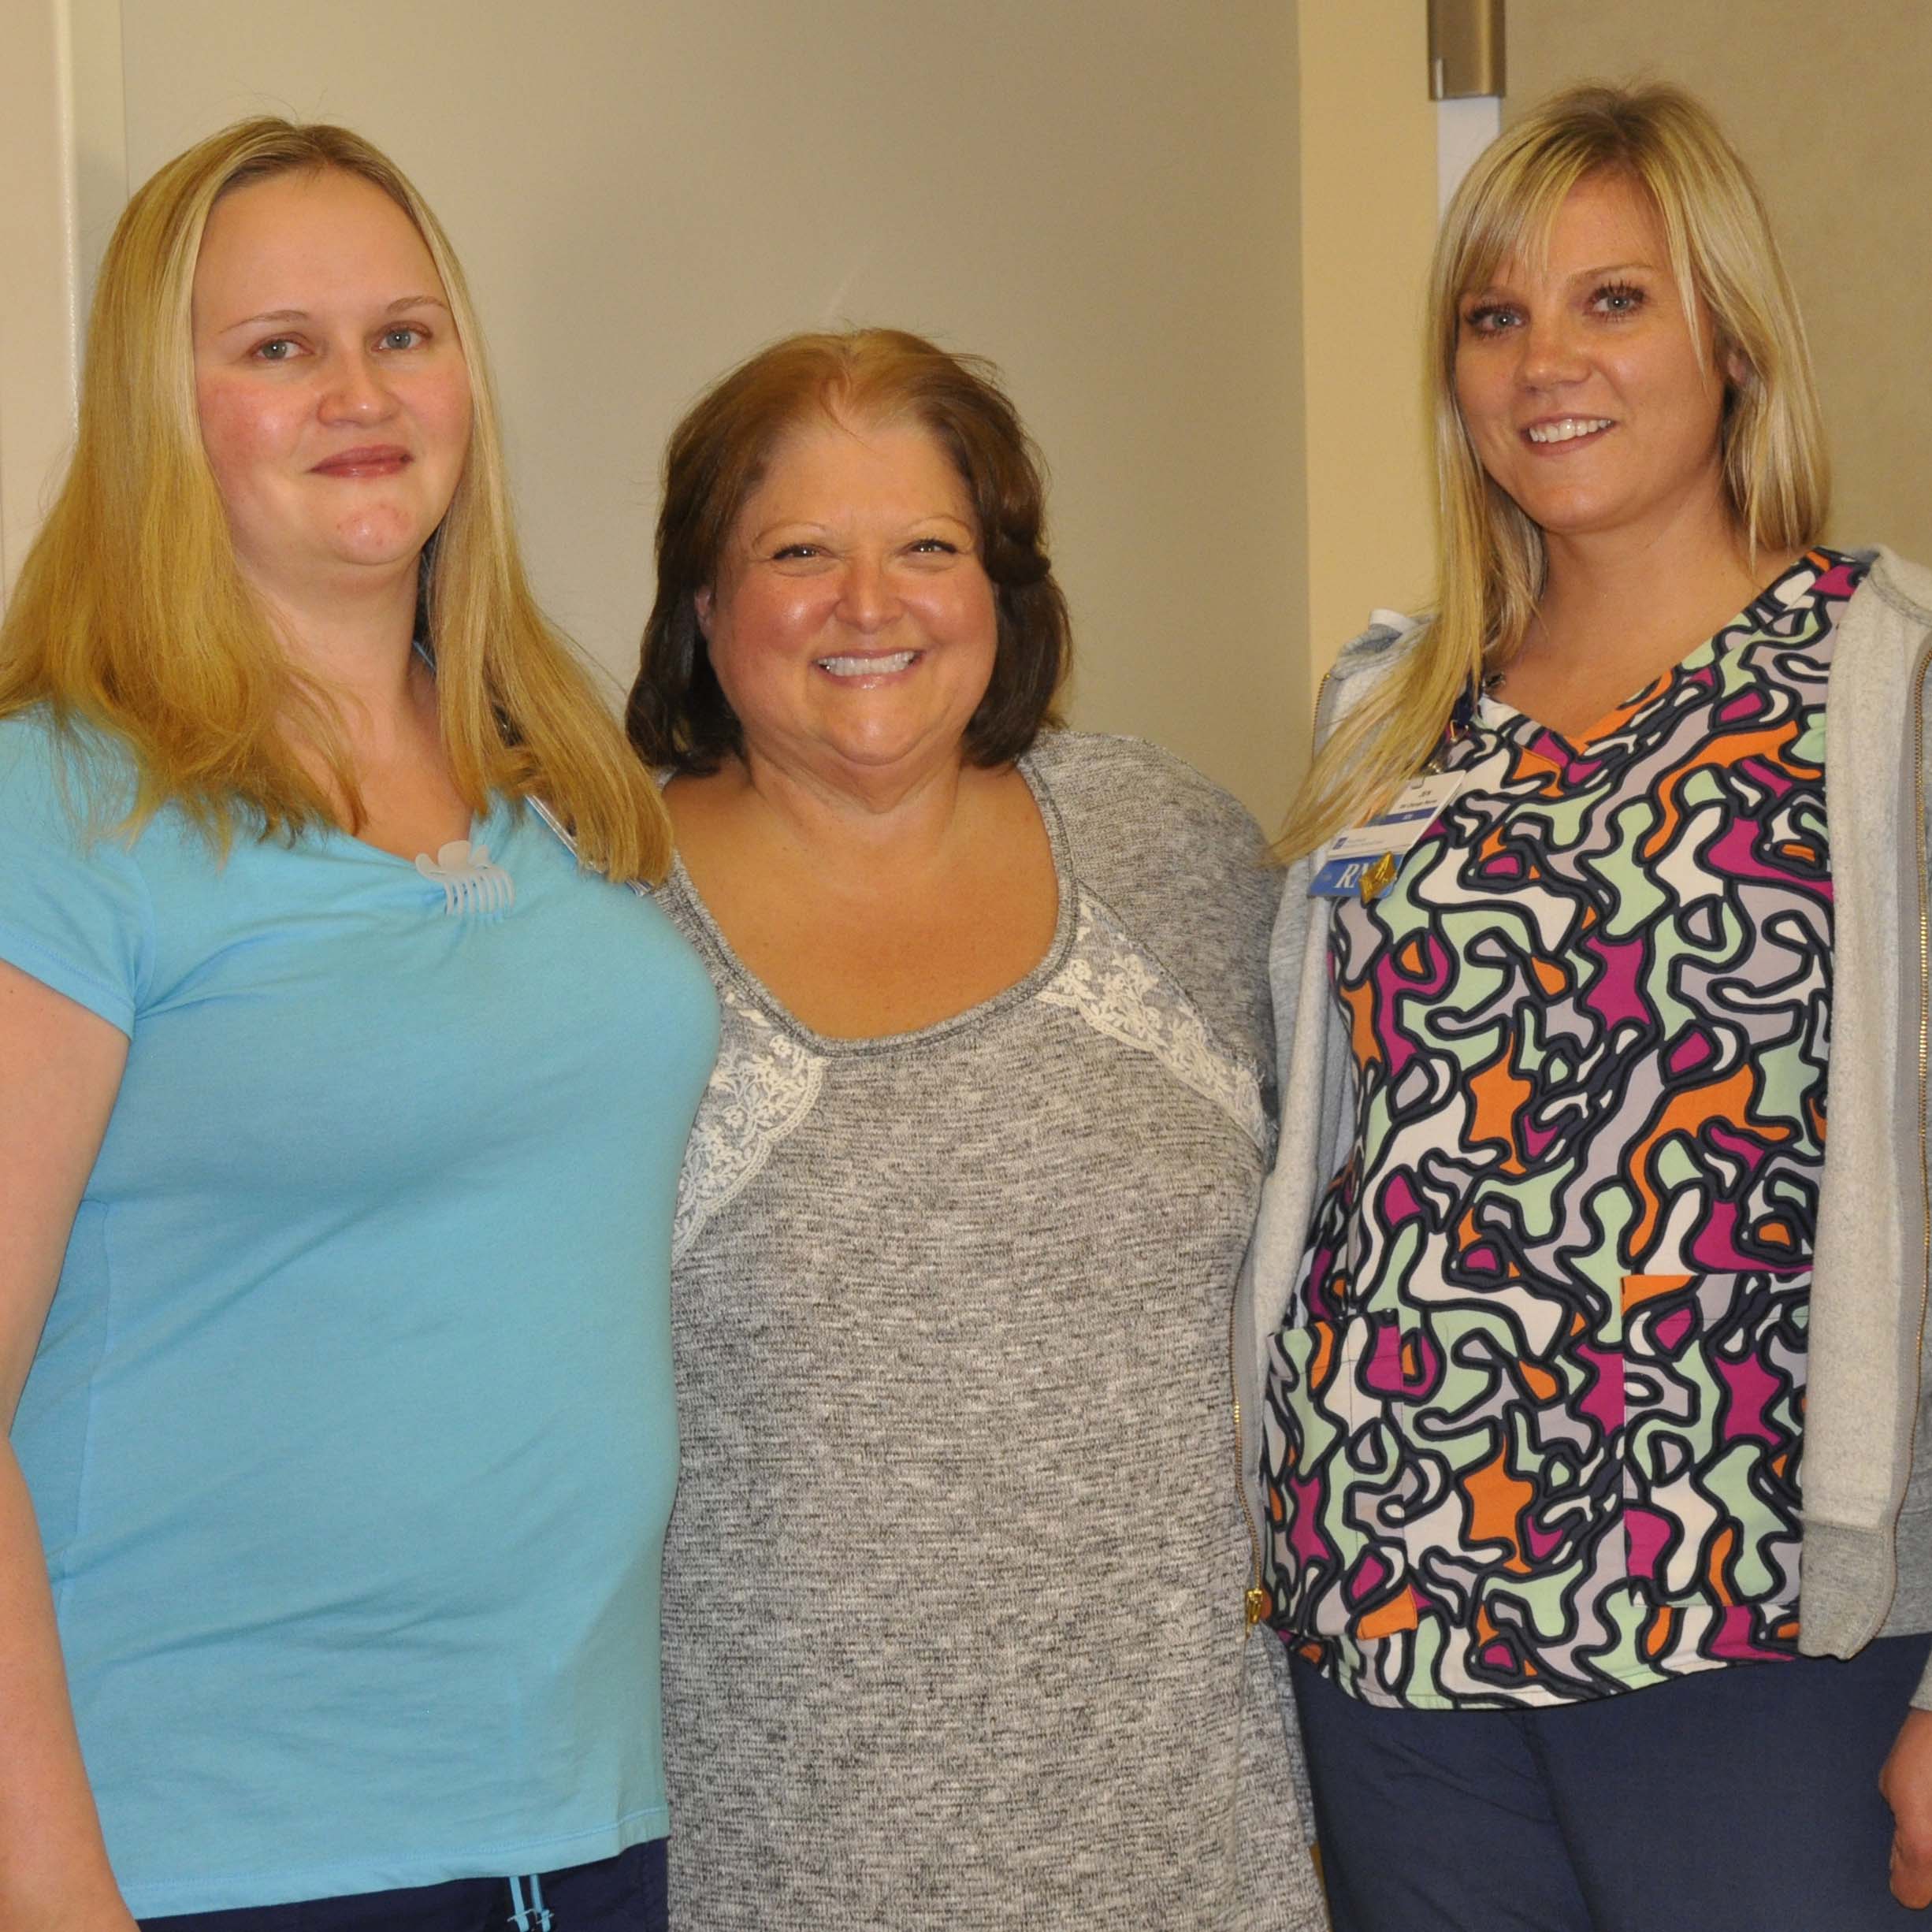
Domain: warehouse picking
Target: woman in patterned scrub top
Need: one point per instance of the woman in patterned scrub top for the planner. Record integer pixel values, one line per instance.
(1535, 1416)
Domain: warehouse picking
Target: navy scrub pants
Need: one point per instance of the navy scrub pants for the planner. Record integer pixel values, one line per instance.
(626, 1893)
(1738, 1800)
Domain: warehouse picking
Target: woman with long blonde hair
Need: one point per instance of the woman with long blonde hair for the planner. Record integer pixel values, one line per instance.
(1587, 1364)
(344, 1083)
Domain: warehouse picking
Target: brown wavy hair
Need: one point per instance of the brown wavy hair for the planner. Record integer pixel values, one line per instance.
(718, 455)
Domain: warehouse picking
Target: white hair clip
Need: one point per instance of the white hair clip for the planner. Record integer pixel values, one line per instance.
(470, 884)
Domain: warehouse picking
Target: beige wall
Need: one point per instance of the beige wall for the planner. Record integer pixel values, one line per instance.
(1830, 109)
(1368, 224)
(1101, 194)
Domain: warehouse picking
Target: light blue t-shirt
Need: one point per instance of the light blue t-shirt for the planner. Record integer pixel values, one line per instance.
(351, 1432)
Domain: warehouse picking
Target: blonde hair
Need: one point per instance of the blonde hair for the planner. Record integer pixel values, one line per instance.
(132, 620)
(1490, 556)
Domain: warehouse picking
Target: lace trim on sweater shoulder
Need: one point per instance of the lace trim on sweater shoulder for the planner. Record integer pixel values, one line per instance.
(763, 1085)
(1118, 990)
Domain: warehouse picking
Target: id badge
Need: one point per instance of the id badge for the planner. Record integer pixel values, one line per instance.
(1363, 861)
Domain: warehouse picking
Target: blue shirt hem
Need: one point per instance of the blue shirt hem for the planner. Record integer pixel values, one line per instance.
(163, 1898)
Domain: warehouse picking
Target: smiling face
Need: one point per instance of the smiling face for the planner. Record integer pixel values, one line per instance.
(333, 395)
(1584, 391)
(853, 626)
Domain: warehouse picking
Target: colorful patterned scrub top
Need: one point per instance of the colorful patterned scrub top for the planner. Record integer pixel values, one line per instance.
(1532, 1430)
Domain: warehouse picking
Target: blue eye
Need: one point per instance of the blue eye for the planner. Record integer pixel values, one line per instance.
(404, 336)
(1619, 299)
(279, 350)
(1490, 318)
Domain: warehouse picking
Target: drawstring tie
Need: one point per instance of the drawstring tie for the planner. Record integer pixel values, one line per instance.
(535, 1914)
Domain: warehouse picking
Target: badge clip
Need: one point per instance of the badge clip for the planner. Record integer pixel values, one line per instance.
(1378, 878)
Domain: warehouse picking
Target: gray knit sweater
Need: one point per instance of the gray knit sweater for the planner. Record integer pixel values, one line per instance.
(952, 1619)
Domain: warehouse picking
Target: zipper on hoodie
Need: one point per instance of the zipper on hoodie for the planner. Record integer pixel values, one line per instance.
(1925, 1054)
(1255, 1601)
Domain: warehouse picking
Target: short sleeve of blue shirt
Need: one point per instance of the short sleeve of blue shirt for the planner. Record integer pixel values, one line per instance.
(74, 911)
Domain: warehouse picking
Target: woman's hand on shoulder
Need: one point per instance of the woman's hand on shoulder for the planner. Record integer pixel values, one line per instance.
(1906, 1782)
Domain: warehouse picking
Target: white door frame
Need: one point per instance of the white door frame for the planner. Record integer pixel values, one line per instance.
(1463, 127)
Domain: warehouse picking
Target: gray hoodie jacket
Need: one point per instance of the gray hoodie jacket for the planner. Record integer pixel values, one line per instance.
(1867, 1565)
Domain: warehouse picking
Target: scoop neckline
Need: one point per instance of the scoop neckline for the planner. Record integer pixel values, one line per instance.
(826, 1045)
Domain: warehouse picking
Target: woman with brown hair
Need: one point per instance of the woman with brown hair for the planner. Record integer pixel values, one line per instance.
(340, 1113)
(957, 1592)
(1591, 1360)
